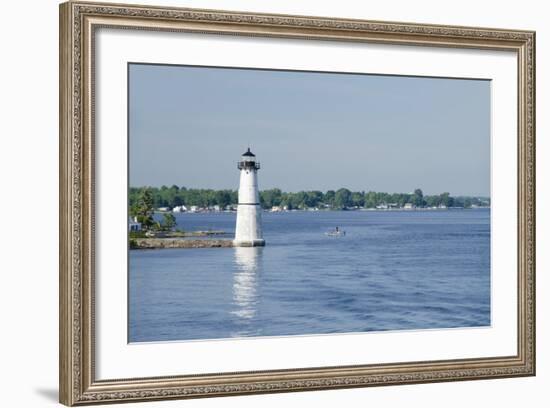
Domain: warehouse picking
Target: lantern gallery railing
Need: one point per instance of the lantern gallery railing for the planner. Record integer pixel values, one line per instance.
(248, 165)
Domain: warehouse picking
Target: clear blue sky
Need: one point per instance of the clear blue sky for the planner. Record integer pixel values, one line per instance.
(310, 131)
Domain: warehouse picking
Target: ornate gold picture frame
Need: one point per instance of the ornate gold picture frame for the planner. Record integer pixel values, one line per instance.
(78, 24)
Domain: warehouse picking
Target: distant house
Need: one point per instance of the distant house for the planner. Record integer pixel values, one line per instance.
(193, 208)
(134, 225)
(163, 209)
(408, 206)
(179, 209)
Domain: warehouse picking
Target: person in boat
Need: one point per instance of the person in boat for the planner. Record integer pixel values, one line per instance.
(336, 232)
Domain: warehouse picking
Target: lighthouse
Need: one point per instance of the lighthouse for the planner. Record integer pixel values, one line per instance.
(248, 231)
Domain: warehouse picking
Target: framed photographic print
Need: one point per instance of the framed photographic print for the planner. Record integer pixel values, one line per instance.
(256, 203)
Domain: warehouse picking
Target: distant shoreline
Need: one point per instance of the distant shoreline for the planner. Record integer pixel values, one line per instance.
(182, 199)
(204, 210)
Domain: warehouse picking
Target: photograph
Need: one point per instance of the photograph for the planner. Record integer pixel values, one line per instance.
(268, 201)
(265, 202)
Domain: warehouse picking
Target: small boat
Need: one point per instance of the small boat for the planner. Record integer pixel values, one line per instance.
(337, 232)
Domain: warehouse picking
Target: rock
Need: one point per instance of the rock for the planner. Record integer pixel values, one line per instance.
(158, 243)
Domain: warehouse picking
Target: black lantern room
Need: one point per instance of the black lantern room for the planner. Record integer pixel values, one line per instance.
(248, 161)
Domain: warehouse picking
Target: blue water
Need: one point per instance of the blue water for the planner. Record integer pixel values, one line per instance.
(393, 270)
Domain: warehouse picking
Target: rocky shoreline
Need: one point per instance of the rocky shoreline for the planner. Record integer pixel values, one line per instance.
(161, 243)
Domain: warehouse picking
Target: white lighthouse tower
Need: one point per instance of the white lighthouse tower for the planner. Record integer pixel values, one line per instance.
(248, 231)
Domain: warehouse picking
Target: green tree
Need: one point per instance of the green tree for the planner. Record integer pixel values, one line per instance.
(357, 199)
(298, 200)
(370, 200)
(168, 221)
(432, 201)
(313, 198)
(342, 198)
(329, 198)
(399, 199)
(446, 200)
(418, 198)
(143, 208)
(270, 198)
(222, 198)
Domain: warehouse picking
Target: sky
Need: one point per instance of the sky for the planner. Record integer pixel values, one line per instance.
(310, 131)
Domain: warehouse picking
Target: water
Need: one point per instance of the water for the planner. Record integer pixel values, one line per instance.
(393, 270)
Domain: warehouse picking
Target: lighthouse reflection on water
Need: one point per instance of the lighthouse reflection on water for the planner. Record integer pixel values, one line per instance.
(245, 288)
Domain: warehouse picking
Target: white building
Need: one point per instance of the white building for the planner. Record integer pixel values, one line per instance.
(248, 231)
(179, 208)
(134, 225)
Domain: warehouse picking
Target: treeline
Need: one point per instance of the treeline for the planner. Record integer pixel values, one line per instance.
(332, 199)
